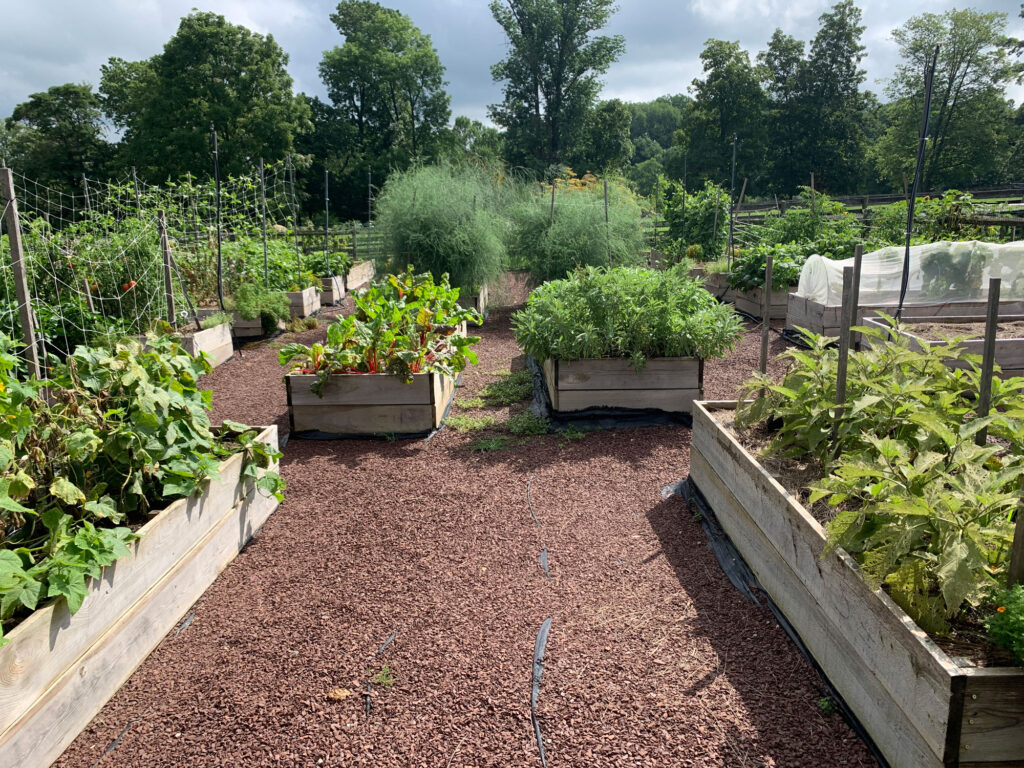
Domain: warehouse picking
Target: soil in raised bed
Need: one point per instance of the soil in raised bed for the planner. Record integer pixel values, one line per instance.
(939, 331)
(653, 659)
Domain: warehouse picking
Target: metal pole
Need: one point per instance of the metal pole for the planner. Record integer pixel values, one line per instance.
(988, 356)
(921, 143)
(165, 250)
(263, 220)
(216, 179)
(858, 258)
(327, 223)
(28, 332)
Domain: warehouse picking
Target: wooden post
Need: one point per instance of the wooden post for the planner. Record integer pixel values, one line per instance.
(846, 321)
(355, 248)
(858, 258)
(87, 289)
(766, 306)
(988, 356)
(552, 220)
(718, 204)
(743, 192)
(28, 332)
(165, 249)
(607, 229)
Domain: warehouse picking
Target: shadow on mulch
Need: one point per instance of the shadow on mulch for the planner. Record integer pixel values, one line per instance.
(743, 635)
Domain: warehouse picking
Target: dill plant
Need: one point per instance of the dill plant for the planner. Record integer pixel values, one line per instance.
(445, 218)
(575, 235)
(630, 312)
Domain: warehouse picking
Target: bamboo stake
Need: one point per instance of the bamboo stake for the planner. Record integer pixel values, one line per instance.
(28, 332)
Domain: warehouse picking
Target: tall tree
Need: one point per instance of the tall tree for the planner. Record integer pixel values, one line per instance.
(728, 102)
(833, 145)
(780, 67)
(210, 71)
(969, 116)
(57, 135)
(551, 77)
(388, 102)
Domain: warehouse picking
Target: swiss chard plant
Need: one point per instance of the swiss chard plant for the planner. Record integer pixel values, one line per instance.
(91, 452)
(926, 512)
(403, 325)
(625, 312)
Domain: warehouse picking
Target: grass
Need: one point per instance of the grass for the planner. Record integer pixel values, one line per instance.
(572, 434)
(472, 402)
(510, 387)
(526, 423)
(384, 677)
(489, 444)
(461, 422)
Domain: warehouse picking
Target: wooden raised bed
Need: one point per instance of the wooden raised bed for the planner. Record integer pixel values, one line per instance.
(479, 302)
(802, 312)
(369, 404)
(717, 284)
(666, 383)
(215, 342)
(921, 709)
(240, 327)
(752, 302)
(360, 274)
(334, 290)
(1009, 351)
(58, 670)
(305, 302)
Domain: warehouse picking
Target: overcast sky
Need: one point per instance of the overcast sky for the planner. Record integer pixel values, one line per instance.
(47, 42)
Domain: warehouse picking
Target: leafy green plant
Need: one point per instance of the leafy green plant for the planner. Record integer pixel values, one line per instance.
(951, 269)
(304, 280)
(552, 244)
(509, 388)
(464, 423)
(111, 435)
(328, 264)
(821, 224)
(403, 325)
(446, 219)
(696, 219)
(925, 511)
(383, 677)
(472, 402)
(217, 318)
(252, 300)
(1006, 624)
(489, 444)
(625, 312)
(526, 423)
(748, 270)
(695, 252)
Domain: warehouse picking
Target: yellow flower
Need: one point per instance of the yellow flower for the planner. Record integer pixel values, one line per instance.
(1001, 609)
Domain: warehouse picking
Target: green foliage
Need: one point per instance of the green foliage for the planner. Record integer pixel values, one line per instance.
(924, 510)
(305, 280)
(489, 444)
(328, 264)
(464, 423)
(510, 388)
(935, 219)
(217, 318)
(822, 225)
(748, 269)
(384, 677)
(576, 234)
(446, 219)
(692, 219)
(111, 436)
(527, 423)
(1006, 624)
(252, 300)
(403, 325)
(625, 312)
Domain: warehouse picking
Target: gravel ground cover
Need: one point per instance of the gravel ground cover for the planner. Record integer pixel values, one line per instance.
(653, 659)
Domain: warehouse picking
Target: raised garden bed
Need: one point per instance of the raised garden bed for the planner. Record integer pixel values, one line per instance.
(240, 327)
(368, 404)
(717, 284)
(818, 318)
(920, 707)
(668, 384)
(1009, 342)
(333, 290)
(360, 274)
(58, 670)
(752, 302)
(305, 302)
(215, 342)
(478, 301)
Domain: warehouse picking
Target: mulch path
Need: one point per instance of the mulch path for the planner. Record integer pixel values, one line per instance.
(653, 658)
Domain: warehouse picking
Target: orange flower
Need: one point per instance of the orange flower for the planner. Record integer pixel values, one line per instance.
(1001, 609)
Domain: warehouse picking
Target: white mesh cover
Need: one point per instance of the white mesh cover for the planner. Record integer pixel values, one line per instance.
(939, 272)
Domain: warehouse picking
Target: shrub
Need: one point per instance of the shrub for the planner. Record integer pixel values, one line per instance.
(576, 235)
(445, 218)
(748, 269)
(821, 224)
(692, 219)
(217, 318)
(1006, 624)
(252, 301)
(625, 312)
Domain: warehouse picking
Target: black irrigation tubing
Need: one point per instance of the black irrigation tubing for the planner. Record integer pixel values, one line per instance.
(539, 648)
(740, 575)
(369, 683)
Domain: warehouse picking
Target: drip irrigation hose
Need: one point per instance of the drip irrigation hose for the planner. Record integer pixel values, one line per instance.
(539, 648)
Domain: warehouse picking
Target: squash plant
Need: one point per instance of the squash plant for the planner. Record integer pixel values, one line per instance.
(928, 514)
(110, 436)
(403, 325)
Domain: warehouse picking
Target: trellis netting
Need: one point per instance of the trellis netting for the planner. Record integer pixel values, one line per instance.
(939, 272)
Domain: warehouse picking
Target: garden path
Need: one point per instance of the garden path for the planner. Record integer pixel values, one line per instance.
(653, 658)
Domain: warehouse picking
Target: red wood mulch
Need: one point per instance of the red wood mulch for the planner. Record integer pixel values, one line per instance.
(653, 658)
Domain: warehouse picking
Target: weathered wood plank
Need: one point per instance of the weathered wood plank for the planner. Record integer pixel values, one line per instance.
(333, 290)
(81, 691)
(752, 302)
(361, 389)
(909, 667)
(551, 380)
(363, 419)
(360, 274)
(305, 302)
(618, 373)
(993, 719)
(671, 400)
(879, 714)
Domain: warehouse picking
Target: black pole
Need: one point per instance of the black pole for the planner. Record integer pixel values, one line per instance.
(369, 196)
(327, 224)
(216, 180)
(732, 199)
(929, 75)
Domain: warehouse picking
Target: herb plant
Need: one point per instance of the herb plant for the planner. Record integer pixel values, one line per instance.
(403, 325)
(626, 312)
(217, 318)
(112, 435)
(1006, 624)
(252, 300)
